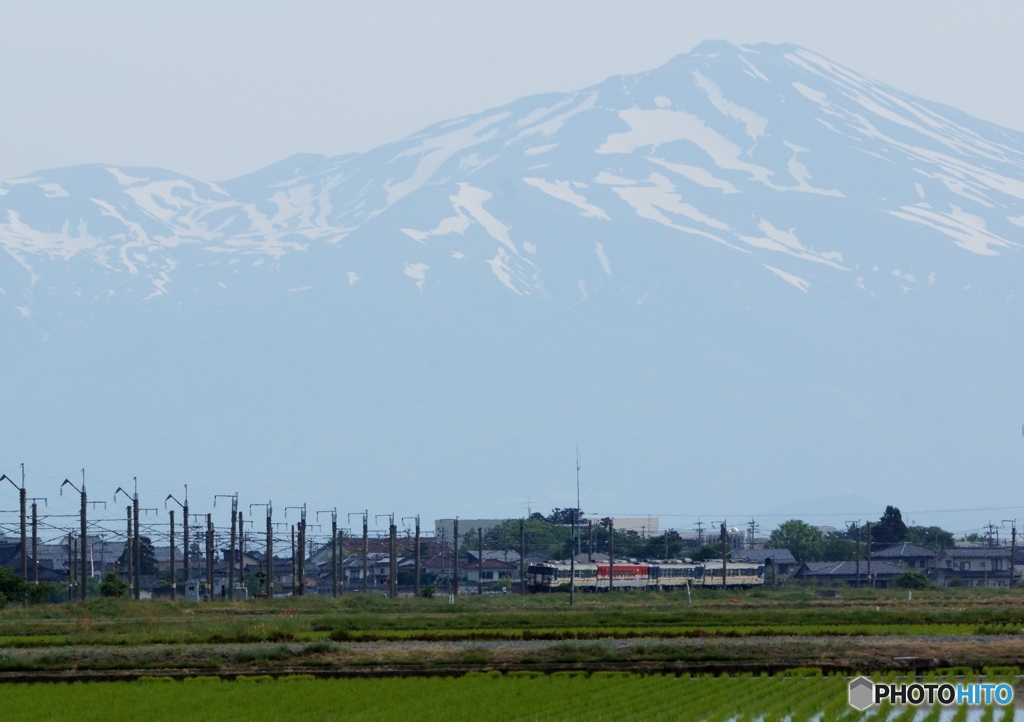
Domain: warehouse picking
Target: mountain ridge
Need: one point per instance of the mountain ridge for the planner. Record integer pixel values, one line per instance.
(750, 268)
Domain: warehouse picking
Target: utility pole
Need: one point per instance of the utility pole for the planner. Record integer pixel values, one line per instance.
(234, 532)
(522, 555)
(366, 539)
(269, 565)
(416, 562)
(392, 554)
(871, 581)
(135, 543)
(334, 548)
(1013, 549)
(299, 563)
(572, 558)
(366, 532)
(71, 568)
(35, 538)
(184, 540)
(480, 564)
(590, 541)
(241, 549)
(84, 521)
(174, 576)
(856, 525)
(128, 556)
(725, 552)
(22, 496)
(209, 557)
(293, 557)
(134, 573)
(611, 554)
(234, 522)
(455, 559)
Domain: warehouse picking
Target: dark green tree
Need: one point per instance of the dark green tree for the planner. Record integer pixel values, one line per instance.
(12, 586)
(563, 516)
(147, 557)
(834, 548)
(113, 586)
(912, 579)
(706, 553)
(890, 529)
(930, 536)
(805, 542)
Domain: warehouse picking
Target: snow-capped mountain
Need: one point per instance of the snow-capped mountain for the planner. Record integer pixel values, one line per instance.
(731, 258)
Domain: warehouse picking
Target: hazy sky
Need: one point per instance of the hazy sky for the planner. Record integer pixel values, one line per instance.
(217, 91)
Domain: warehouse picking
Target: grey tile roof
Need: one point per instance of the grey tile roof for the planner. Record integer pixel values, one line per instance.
(978, 552)
(904, 550)
(849, 569)
(760, 556)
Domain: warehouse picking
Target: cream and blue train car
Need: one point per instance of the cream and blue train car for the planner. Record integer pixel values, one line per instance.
(740, 575)
(673, 574)
(548, 576)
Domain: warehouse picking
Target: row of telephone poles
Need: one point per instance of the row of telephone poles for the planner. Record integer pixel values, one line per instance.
(78, 548)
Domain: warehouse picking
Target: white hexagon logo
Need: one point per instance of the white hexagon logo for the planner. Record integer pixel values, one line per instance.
(862, 693)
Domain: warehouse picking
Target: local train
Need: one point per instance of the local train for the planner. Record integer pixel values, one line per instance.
(656, 574)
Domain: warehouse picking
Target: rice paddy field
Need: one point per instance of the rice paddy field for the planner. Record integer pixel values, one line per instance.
(796, 696)
(784, 654)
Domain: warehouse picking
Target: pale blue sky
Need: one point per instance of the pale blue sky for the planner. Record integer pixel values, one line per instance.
(219, 92)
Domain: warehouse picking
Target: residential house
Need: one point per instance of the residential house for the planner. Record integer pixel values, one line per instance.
(976, 567)
(494, 572)
(784, 561)
(909, 555)
(882, 573)
(472, 555)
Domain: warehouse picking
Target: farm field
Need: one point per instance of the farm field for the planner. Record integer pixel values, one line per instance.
(360, 617)
(477, 697)
(364, 635)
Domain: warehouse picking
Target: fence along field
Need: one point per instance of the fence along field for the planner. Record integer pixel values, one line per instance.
(798, 695)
